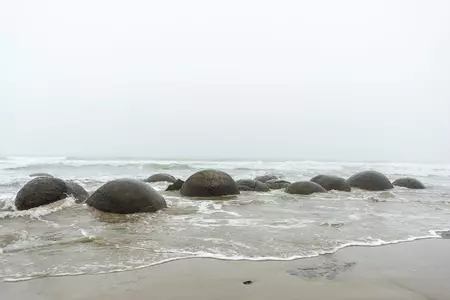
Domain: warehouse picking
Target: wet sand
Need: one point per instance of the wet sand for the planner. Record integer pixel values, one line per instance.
(416, 270)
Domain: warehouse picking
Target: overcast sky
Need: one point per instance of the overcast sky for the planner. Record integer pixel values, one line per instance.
(334, 80)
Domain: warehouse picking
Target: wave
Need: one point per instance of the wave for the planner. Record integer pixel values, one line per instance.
(103, 165)
(192, 255)
(40, 211)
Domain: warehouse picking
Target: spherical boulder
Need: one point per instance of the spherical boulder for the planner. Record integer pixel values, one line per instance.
(41, 175)
(40, 191)
(126, 196)
(266, 178)
(330, 182)
(77, 191)
(161, 177)
(410, 183)
(277, 184)
(209, 183)
(176, 186)
(370, 181)
(252, 185)
(304, 188)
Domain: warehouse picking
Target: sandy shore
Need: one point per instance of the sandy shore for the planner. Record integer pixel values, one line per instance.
(416, 270)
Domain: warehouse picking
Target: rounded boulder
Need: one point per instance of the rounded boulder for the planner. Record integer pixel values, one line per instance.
(277, 184)
(41, 175)
(77, 191)
(370, 181)
(252, 185)
(330, 182)
(40, 191)
(410, 183)
(209, 183)
(265, 178)
(161, 177)
(126, 196)
(176, 186)
(304, 188)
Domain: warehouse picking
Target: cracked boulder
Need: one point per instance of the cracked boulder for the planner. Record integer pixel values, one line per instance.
(252, 185)
(330, 182)
(40, 191)
(209, 183)
(126, 196)
(304, 188)
(410, 183)
(160, 177)
(370, 181)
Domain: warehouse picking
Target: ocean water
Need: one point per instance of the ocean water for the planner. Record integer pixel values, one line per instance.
(65, 238)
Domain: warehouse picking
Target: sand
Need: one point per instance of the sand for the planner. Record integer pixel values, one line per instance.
(415, 270)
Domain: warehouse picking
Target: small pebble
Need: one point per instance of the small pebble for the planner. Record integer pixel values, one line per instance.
(247, 282)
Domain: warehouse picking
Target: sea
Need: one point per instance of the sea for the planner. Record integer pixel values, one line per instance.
(65, 238)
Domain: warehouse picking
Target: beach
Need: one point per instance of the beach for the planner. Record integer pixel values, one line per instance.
(414, 270)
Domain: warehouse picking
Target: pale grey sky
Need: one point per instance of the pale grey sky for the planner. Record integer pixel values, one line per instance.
(335, 80)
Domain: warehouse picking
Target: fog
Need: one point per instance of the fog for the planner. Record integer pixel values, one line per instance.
(317, 80)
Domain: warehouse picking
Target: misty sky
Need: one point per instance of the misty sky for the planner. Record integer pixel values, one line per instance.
(333, 80)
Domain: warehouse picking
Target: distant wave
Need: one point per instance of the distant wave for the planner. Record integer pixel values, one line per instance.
(70, 165)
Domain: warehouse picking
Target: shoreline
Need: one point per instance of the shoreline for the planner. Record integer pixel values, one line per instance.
(409, 270)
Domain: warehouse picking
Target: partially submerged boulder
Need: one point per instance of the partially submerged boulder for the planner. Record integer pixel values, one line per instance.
(330, 182)
(252, 185)
(408, 182)
(304, 188)
(41, 175)
(265, 178)
(176, 186)
(277, 184)
(126, 196)
(161, 177)
(40, 191)
(77, 191)
(209, 183)
(370, 181)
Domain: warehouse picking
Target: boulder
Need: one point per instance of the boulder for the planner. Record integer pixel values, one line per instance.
(77, 191)
(277, 184)
(304, 188)
(370, 181)
(41, 175)
(209, 183)
(126, 196)
(40, 191)
(252, 185)
(410, 183)
(330, 182)
(161, 177)
(266, 178)
(176, 186)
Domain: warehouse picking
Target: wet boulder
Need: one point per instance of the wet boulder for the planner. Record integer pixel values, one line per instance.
(277, 184)
(304, 188)
(370, 181)
(266, 178)
(126, 196)
(209, 183)
(41, 175)
(176, 186)
(40, 191)
(77, 191)
(160, 177)
(252, 185)
(330, 182)
(410, 183)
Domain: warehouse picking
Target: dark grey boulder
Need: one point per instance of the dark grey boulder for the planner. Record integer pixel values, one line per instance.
(209, 183)
(77, 191)
(266, 178)
(277, 184)
(40, 191)
(161, 177)
(41, 175)
(176, 186)
(410, 183)
(370, 181)
(126, 196)
(304, 188)
(330, 182)
(252, 185)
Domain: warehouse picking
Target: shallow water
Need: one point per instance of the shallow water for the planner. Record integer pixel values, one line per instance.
(65, 238)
